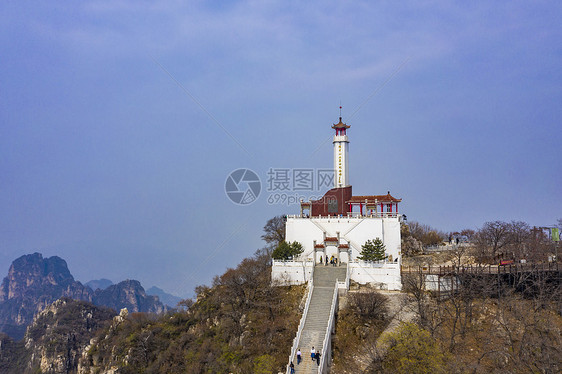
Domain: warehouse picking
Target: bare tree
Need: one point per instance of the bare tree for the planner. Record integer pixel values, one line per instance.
(425, 234)
(274, 231)
(518, 241)
(491, 238)
(469, 233)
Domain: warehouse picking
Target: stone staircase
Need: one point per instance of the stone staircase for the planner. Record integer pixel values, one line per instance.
(318, 314)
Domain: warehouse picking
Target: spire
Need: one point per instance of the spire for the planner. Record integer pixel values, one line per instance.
(340, 125)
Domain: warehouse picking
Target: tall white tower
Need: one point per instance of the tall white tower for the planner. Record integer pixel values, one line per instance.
(341, 155)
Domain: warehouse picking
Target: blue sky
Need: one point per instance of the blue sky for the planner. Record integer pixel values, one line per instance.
(115, 120)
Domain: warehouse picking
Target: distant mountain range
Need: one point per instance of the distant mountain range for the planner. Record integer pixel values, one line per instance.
(102, 284)
(34, 282)
(166, 298)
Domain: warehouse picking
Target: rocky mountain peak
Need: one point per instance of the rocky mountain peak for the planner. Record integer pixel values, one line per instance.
(32, 271)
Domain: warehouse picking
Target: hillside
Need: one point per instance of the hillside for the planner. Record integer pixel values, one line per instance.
(240, 324)
(56, 340)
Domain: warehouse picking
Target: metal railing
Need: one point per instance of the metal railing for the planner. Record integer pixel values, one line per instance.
(327, 343)
(297, 338)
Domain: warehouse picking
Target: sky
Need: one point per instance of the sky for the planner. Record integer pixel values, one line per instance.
(121, 121)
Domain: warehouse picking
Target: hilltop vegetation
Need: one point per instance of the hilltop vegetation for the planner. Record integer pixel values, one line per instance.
(241, 324)
(487, 324)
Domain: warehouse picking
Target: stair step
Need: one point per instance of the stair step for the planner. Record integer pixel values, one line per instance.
(316, 322)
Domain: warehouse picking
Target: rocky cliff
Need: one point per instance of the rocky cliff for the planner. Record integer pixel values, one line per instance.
(56, 340)
(34, 282)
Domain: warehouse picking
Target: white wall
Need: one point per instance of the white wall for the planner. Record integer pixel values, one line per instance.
(354, 230)
(385, 275)
(291, 272)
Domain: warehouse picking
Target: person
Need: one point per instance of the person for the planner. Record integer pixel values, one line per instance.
(292, 366)
(321, 259)
(299, 358)
(335, 261)
(326, 260)
(318, 358)
(312, 353)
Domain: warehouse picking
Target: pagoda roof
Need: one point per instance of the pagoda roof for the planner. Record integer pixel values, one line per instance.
(340, 125)
(388, 198)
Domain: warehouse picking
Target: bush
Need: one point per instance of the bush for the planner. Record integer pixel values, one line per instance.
(369, 304)
(412, 350)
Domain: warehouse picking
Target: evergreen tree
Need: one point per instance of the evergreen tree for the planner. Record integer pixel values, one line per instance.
(287, 250)
(373, 250)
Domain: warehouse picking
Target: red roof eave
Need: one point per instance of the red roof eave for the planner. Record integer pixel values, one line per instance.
(372, 198)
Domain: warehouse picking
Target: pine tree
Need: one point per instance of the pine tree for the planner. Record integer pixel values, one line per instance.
(373, 250)
(287, 250)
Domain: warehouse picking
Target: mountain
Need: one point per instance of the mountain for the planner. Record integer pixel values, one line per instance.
(34, 282)
(102, 284)
(166, 298)
(128, 294)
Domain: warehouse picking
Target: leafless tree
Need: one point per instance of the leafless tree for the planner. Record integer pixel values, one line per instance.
(274, 231)
(491, 238)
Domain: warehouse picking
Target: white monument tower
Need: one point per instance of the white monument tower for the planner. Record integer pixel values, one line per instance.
(338, 225)
(341, 155)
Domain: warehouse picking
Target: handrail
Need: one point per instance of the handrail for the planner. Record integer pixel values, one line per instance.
(345, 283)
(301, 323)
(350, 215)
(479, 269)
(326, 346)
(347, 276)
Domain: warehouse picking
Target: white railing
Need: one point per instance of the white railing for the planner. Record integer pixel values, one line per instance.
(344, 284)
(347, 276)
(327, 343)
(382, 263)
(297, 338)
(350, 215)
(306, 262)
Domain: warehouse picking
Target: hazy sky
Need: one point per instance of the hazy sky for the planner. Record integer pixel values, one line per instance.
(120, 121)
